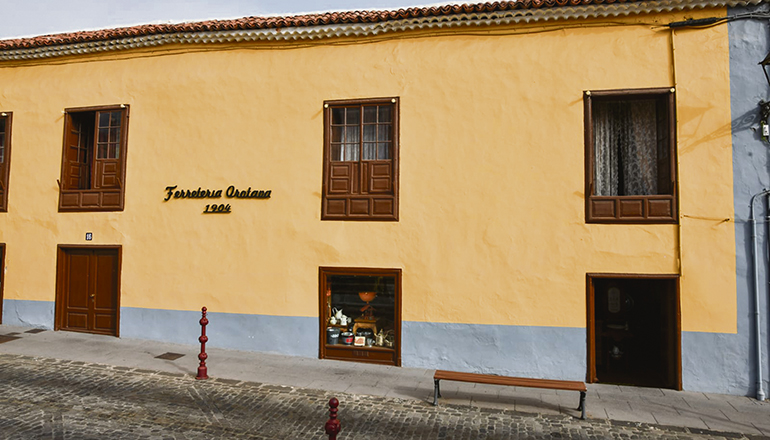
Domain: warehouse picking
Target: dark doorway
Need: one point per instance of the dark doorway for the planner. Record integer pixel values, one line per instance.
(87, 296)
(634, 331)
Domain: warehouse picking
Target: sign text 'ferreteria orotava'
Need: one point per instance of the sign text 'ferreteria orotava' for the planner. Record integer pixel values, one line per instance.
(216, 208)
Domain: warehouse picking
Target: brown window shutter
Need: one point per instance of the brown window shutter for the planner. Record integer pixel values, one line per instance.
(76, 160)
(93, 163)
(107, 146)
(380, 177)
(5, 158)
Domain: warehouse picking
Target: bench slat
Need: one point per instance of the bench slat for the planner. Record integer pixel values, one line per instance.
(568, 385)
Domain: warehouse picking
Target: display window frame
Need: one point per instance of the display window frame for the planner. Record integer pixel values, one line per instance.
(367, 354)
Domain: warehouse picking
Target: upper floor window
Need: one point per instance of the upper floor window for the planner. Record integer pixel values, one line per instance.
(360, 160)
(94, 159)
(5, 158)
(630, 156)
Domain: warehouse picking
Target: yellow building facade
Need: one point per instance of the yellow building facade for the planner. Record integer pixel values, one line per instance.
(490, 262)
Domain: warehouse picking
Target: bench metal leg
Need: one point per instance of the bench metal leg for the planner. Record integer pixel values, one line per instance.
(436, 391)
(582, 406)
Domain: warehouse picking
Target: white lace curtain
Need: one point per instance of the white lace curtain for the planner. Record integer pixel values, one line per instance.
(625, 148)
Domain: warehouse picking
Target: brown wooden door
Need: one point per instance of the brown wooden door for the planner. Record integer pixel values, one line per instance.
(88, 290)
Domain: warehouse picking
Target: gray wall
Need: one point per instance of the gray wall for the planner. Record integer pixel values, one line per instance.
(290, 335)
(26, 313)
(728, 363)
(539, 352)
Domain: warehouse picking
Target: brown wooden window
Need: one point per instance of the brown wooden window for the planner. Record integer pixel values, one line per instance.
(94, 159)
(5, 158)
(360, 160)
(630, 156)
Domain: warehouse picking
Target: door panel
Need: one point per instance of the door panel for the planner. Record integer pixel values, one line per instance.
(87, 299)
(105, 291)
(106, 171)
(381, 177)
(78, 274)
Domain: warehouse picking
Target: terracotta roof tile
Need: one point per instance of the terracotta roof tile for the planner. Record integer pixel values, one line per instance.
(291, 21)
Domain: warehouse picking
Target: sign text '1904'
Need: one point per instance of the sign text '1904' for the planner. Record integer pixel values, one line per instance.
(217, 209)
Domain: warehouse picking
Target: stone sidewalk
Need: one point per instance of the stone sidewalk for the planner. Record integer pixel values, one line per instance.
(698, 412)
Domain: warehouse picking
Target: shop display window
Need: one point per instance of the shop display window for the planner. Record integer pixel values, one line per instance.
(360, 315)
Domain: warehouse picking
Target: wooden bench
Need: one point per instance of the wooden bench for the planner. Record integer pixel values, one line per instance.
(568, 385)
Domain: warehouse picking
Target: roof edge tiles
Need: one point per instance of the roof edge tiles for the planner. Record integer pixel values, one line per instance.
(339, 24)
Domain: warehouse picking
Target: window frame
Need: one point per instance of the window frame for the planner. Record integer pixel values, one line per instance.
(95, 199)
(5, 166)
(376, 355)
(372, 200)
(635, 209)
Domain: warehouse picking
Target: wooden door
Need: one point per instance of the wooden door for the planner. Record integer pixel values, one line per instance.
(633, 329)
(87, 297)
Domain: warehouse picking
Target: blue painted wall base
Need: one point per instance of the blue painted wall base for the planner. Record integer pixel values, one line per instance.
(710, 362)
(38, 314)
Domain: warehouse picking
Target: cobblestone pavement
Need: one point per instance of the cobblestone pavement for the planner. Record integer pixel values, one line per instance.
(44, 398)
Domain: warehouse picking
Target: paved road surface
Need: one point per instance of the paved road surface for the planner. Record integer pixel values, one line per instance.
(56, 399)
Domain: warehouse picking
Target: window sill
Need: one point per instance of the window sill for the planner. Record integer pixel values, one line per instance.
(631, 209)
(87, 200)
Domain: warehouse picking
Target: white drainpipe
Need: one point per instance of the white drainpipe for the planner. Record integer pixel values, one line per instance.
(757, 317)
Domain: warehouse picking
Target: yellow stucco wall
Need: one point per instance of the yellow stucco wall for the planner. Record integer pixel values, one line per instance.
(491, 226)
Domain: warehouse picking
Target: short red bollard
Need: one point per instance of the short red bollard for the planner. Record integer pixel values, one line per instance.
(202, 370)
(333, 425)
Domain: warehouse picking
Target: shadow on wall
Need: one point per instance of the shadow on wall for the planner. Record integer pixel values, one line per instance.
(748, 121)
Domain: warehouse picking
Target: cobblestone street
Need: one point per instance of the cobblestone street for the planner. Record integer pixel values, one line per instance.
(55, 399)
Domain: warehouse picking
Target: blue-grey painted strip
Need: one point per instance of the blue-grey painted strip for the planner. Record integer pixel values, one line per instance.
(727, 363)
(289, 335)
(710, 362)
(27, 313)
(523, 351)
(715, 363)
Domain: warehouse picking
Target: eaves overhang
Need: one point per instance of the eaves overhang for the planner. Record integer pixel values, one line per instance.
(343, 24)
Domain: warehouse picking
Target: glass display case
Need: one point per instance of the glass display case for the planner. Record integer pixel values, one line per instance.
(360, 315)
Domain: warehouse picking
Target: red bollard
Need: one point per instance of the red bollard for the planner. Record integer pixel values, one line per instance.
(202, 370)
(333, 425)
